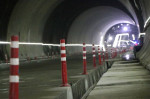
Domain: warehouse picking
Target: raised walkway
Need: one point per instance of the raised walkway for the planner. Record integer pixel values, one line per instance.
(125, 80)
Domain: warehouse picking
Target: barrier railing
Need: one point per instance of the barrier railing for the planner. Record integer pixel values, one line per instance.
(14, 67)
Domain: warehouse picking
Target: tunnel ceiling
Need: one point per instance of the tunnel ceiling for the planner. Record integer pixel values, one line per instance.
(66, 14)
(94, 23)
(48, 21)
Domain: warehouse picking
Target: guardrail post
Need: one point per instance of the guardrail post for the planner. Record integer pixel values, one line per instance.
(14, 69)
(94, 56)
(63, 63)
(99, 56)
(84, 60)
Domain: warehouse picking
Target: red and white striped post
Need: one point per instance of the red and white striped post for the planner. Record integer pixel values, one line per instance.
(103, 55)
(84, 60)
(99, 56)
(63, 63)
(14, 69)
(94, 56)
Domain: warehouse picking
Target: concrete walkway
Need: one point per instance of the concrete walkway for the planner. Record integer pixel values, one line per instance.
(125, 80)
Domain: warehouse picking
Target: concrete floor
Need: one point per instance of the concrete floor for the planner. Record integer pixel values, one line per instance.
(125, 80)
(38, 79)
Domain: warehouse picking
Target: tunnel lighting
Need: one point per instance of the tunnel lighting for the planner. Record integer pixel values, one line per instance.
(109, 45)
(133, 36)
(127, 56)
(125, 29)
(74, 44)
(141, 34)
(146, 22)
(48, 44)
(44, 44)
(118, 26)
(3, 42)
(110, 38)
(26, 43)
(121, 24)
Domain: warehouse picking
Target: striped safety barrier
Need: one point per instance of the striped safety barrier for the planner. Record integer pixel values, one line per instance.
(63, 63)
(14, 69)
(99, 56)
(94, 56)
(84, 60)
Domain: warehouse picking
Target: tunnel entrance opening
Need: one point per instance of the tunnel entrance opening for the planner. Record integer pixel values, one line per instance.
(122, 35)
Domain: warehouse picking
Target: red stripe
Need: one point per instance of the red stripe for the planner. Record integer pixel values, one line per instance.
(14, 38)
(14, 91)
(62, 41)
(14, 52)
(63, 48)
(84, 54)
(14, 70)
(63, 55)
(84, 49)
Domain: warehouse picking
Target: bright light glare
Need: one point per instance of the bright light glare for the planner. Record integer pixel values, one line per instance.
(110, 38)
(133, 36)
(125, 28)
(127, 56)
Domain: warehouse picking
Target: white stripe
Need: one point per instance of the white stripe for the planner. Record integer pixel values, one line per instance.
(84, 57)
(84, 52)
(63, 58)
(93, 55)
(62, 44)
(14, 61)
(99, 53)
(93, 50)
(63, 51)
(14, 44)
(84, 46)
(14, 79)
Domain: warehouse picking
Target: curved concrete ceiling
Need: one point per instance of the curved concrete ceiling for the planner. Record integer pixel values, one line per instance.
(94, 23)
(48, 21)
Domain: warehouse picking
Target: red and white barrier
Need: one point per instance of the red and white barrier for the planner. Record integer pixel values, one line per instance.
(99, 56)
(63, 63)
(84, 59)
(14, 69)
(94, 56)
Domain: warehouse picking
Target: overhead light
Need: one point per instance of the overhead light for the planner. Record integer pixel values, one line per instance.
(110, 38)
(133, 36)
(127, 56)
(125, 29)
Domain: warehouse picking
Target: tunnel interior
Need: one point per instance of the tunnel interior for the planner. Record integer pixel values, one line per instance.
(76, 21)
(121, 27)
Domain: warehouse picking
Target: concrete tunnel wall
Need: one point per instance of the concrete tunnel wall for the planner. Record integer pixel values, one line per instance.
(144, 54)
(28, 19)
(49, 21)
